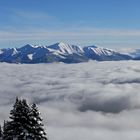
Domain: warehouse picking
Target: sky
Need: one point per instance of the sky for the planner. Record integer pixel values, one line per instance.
(105, 23)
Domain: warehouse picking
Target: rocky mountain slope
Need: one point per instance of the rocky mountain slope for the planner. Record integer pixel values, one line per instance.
(59, 52)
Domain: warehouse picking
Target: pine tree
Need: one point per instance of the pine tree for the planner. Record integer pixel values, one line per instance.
(1, 133)
(7, 131)
(25, 123)
(37, 131)
(18, 126)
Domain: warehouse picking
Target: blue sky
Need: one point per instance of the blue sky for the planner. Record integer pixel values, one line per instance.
(106, 23)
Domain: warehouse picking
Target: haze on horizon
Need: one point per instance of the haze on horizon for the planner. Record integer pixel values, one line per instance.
(105, 23)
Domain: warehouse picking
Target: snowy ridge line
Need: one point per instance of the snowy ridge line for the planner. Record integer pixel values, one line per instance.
(61, 52)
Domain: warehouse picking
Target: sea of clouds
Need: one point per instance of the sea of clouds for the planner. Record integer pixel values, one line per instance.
(85, 101)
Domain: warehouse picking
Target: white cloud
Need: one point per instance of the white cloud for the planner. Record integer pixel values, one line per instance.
(81, 36)
(94, 100)
(72, 33)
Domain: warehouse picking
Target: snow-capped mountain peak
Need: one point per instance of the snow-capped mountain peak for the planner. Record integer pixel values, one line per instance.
(66, 48)
(59, 52)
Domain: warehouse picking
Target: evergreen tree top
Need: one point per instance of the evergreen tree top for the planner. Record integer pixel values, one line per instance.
(25, 122)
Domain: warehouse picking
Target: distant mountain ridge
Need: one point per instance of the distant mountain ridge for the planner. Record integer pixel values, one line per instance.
(60, 52)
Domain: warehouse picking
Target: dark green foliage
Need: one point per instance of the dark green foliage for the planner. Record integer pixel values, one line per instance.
(25, 123)
(37, 132)
(18, 126)
(7, 131)
(1, 133)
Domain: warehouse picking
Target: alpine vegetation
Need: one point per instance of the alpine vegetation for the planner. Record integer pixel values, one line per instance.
(25, 123)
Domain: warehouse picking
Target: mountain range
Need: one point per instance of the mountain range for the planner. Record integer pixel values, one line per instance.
(62, 52)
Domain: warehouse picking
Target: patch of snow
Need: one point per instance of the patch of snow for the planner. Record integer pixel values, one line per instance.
(1, 52)
(100, 51)
(30, 56)
(58, 54)
(15, 51)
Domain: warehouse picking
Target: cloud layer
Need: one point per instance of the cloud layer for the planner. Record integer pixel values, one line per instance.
(80, 35)
(94, 100)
